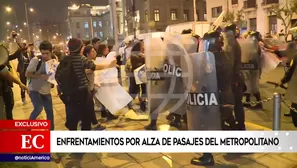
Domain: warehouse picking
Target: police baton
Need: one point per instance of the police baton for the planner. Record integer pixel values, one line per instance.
(277, 85)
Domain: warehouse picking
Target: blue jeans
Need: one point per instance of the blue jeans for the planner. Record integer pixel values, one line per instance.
(39, 102)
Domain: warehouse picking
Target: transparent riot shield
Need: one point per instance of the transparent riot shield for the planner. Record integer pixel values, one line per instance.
(250, 54)
(202, 101)
(190, 43)
(154, 59)
(165, 87)
(174, 85)
(269, 62)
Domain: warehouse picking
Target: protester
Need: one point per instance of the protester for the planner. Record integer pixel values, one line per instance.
(102, 50)
(72, 81)
(40, 88)
(8, 95)
(137, 60)
(23, 63)
(5, 75)
(90, 54)
(96, 43)
(57, 52)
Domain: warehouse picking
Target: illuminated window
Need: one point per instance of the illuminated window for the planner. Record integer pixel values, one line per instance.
(101, 34)
(100, 23)
(186, 15)
(215, 12)
(86, 24)
(94, 23)
(157, 15)
(173, 13)
(95, 34)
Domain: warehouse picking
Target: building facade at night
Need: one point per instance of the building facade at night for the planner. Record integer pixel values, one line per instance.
(156, 15)
(86, 21)
(254, 13)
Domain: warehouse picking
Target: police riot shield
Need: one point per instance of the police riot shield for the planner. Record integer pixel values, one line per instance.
(202, 101)
(165, 86)
(154, 59)
(250, 54)
(190, 43)
(174, 52)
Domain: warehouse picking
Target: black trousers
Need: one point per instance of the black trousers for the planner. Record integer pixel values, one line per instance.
(238, 106)
(23, 79)
(294, 114)
(80, 111)
(134, 89)
(9, 102)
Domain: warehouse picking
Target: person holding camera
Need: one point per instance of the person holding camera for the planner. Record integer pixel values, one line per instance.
(23, 62)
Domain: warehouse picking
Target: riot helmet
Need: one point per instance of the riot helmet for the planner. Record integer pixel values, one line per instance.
(255, 35)
(213, 41)
(230, 27)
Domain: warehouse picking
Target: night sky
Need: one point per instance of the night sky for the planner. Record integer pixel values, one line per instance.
(51, 10)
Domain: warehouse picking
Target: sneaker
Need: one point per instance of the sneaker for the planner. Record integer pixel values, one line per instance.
(111, 116)
(287, 114)
(100, 127)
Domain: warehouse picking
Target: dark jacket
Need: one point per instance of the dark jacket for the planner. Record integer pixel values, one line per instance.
(23, 62)
(137, 60)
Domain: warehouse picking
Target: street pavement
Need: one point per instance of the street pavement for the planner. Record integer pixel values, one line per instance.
(256, 120)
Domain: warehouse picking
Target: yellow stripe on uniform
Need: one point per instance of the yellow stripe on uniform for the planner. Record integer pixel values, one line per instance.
(291, 63)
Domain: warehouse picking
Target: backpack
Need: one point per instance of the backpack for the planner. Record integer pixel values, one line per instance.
(39, 63)
(66, 79)
(38, 67)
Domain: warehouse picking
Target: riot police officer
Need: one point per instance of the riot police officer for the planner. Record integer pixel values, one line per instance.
(231, 34)
(222, 77)
(253, 75)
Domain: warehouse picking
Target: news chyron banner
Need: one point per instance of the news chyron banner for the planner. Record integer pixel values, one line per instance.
(25, 141)
(19, 139)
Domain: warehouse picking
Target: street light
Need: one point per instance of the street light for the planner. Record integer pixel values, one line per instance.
(7, 23)
(31, 10)
(21, 30)
(55, 37)
(25, 24)
(8, 9)
(40, 30)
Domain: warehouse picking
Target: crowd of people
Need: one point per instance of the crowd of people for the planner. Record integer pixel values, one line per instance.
(76, 86)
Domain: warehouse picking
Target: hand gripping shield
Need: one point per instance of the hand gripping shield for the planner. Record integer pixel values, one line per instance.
(202, 102)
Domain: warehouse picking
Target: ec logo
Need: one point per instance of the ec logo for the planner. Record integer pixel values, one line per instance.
(28, 141)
